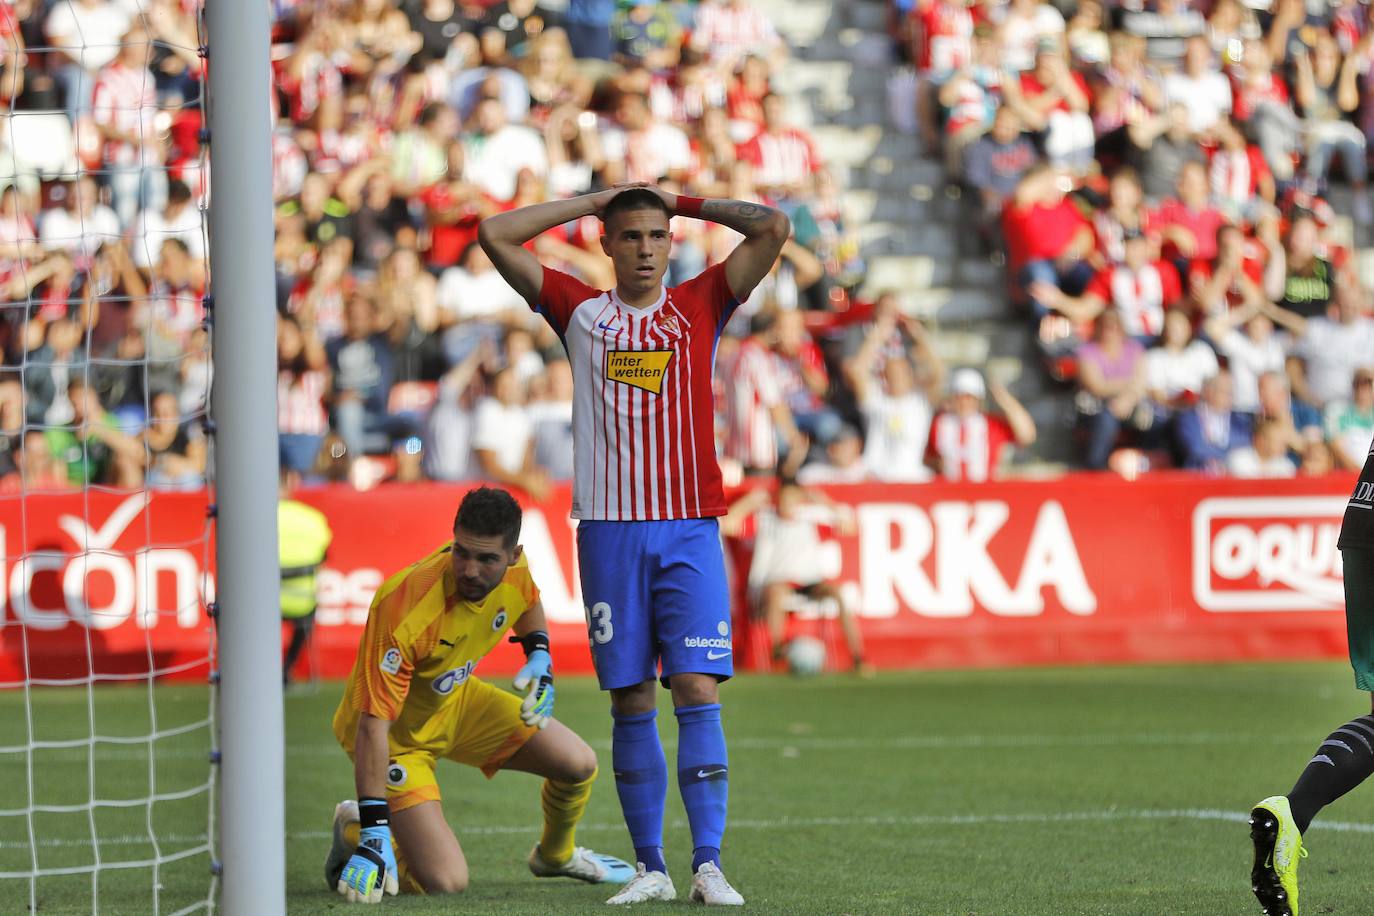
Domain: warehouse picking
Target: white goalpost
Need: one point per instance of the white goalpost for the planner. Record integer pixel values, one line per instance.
(244, 406)
(141, 766)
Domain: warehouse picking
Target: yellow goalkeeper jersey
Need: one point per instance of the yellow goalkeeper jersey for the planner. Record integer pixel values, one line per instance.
(419, 649)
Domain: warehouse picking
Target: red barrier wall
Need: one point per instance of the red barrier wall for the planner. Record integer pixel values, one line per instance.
(1085, 568)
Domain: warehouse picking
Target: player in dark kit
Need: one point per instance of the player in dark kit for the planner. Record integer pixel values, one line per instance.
(1346, 758)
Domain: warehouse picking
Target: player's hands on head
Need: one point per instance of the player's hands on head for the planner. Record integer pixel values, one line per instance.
(371, 871)
(536, 677)
(601, 198)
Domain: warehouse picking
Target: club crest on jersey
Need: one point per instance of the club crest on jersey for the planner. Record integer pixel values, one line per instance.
(499, 620)
(642, 369)
(668, 324)
(444, 683)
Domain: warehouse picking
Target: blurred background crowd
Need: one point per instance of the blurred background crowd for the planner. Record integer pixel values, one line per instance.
(1154, 177)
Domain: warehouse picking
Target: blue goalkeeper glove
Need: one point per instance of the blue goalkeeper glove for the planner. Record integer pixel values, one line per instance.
(537, 677)
(371, 870)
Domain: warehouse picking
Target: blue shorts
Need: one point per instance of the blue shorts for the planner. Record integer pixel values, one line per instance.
(655, 592)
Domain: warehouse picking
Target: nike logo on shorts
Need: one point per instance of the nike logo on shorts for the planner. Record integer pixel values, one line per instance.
(712, 655)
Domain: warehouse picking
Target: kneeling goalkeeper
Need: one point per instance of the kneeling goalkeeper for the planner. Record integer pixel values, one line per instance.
(412, 699)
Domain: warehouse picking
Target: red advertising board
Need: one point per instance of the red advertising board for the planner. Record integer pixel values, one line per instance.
(1083, 568)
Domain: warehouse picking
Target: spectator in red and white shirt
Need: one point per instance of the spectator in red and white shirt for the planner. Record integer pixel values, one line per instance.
(966, 442)
(752, 406)
(180, 219)
(1048, 240)
(1241, 183)
(784, 157)
(943, 39)
(1262, 103)
(496, 151)
(1026, 24)
(85, 35)
(176, 299)
(302, 384)
(1188, 223)
(1140, 289)
(727, 30)
(124, 108)
(82, 225)
(803, 377)
(639, 147)
(1125, 213)
(1053, 100)
(1238, 272)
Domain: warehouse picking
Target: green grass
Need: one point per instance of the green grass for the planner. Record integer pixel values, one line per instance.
(1051, 791)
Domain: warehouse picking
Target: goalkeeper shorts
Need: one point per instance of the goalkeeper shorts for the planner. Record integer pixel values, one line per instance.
(485, 735)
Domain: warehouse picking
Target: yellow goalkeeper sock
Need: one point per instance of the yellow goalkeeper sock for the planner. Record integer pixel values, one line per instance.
(563, 803)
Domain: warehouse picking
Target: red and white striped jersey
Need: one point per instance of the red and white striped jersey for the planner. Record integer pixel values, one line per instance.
(125, 99)
(300, 402)
(1141, 296)
(782, 159)
(969, 448)
(728, 33)
(754, 387)
(642, 407)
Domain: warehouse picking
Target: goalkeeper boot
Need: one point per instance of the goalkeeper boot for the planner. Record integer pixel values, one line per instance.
(585, 865)
(1278, 849)
(645, 886)
(710, 887)
(346, 829)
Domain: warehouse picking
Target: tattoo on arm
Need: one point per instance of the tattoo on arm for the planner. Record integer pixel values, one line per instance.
(740, 215)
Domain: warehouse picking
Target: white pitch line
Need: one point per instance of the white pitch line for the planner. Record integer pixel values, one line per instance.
(932, 820)
(798, 742)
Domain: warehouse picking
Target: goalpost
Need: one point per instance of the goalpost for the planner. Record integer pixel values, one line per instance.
(141, 746)
(244, 406)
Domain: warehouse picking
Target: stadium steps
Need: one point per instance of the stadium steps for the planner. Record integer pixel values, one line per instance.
(915, 232)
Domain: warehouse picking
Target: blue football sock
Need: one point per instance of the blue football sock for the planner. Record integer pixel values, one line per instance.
(703, 778)
(641, 781)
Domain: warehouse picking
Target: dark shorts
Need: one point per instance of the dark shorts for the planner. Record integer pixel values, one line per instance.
(1359, 612)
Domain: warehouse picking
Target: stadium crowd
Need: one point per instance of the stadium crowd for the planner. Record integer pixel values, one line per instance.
(1155, 176)
(1140, 168)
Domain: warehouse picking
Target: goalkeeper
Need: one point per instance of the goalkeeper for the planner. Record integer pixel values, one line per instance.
(412, 699)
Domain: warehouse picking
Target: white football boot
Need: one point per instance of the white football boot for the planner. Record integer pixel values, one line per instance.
(710, 887)
(645, 886)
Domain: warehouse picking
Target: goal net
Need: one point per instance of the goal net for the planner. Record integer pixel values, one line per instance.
(107, 652)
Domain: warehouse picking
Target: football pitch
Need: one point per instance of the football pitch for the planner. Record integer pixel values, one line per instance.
(1043, 791)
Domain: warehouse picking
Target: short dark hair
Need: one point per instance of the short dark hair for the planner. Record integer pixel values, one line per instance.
(489, 512)
(633, 199)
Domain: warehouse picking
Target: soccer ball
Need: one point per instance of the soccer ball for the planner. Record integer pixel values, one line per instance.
(805, 656)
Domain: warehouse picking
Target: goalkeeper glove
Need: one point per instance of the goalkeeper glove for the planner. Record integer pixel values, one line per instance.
(371, 870)
(537, 676)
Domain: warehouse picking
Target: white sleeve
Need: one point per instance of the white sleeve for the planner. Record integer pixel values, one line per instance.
(1206, 360)
(764, 375)
(1154, 371)
(677, 152)
(449, 292)
(487, 432)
